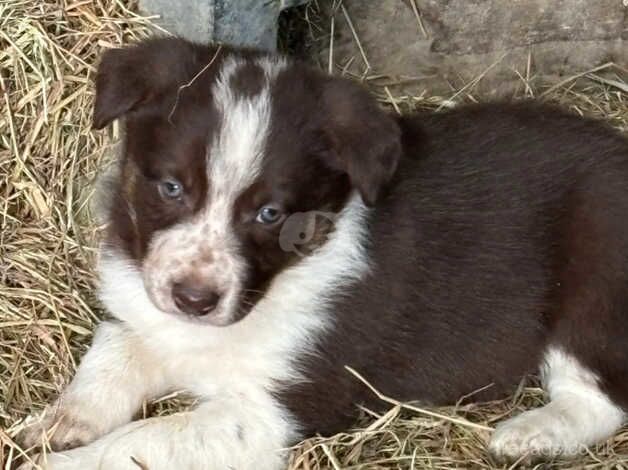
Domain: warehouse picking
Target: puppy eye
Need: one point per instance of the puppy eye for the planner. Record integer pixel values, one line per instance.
(269, 215)
(170, 189)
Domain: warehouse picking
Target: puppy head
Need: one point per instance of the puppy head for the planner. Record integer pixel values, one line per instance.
(235, 164)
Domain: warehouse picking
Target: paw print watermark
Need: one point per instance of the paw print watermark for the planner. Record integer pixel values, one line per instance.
(303, 232)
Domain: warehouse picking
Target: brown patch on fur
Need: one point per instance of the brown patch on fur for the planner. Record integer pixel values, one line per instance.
(247, 81)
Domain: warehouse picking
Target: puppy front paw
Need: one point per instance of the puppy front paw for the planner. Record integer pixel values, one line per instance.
(61, 426)
(57, 461)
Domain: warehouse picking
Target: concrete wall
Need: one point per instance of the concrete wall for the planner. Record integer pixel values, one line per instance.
(458, 40)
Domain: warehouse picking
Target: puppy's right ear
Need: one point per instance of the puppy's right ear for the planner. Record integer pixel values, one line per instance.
(131, 77)
(364, 141)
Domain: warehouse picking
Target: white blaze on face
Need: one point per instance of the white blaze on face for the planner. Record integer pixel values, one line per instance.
(205, 249)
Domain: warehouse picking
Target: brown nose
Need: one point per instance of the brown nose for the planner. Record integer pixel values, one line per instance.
(194, 300)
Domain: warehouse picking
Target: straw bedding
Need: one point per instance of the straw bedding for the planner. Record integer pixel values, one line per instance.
(49, 159)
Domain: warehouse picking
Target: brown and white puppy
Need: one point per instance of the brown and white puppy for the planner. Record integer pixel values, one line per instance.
(270, 225)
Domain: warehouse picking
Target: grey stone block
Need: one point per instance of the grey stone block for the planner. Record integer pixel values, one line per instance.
(250, 23)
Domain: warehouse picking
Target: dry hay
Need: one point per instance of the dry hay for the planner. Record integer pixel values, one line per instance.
(48, 161)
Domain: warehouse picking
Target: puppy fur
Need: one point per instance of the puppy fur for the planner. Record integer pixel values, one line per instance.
(437, 254)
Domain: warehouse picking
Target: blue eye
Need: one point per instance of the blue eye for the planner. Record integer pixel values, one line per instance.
(268, 215)
(170, 189)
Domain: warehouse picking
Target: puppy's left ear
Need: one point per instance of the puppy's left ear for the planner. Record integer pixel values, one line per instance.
(364, 141)
(133, 77)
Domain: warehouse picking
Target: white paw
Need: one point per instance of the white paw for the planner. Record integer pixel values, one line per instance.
(61, 426)
(534, 435)
(56, 461)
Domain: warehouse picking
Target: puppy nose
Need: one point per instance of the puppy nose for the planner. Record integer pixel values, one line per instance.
(194, 300)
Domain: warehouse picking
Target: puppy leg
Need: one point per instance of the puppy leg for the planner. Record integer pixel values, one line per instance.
(113, 379)
(224, 434)
(579, 414)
